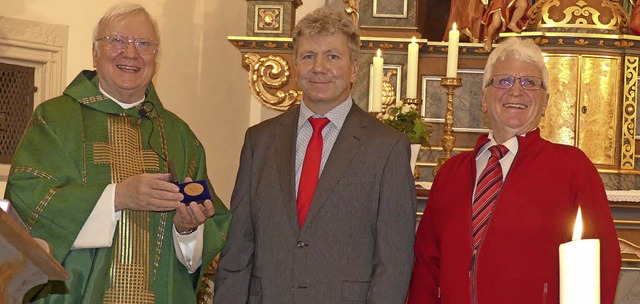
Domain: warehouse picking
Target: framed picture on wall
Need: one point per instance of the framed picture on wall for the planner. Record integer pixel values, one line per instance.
(467, 107)
(390, 8)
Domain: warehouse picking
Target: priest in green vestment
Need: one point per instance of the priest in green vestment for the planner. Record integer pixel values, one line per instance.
(90, 177)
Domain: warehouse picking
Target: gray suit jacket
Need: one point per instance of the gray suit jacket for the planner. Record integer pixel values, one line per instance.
(356, 245)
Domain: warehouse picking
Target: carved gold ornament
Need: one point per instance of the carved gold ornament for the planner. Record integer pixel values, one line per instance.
(588, 14)
(629, 106)
(351, 8)
(270, 72)
(388, 91)
(269, 19)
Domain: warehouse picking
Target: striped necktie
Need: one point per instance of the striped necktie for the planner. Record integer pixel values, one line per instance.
(487, 191)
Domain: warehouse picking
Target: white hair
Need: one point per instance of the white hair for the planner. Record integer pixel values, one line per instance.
(523, 49)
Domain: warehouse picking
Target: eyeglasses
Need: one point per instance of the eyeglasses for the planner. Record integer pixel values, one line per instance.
(530, 83)
(120, 43)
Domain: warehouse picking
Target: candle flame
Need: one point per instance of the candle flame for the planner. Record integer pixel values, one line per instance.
(379, 53)
(413, 40)
(454, 26)
(577, 228)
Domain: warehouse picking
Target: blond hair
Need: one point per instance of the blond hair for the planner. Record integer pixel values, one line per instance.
(327, 21)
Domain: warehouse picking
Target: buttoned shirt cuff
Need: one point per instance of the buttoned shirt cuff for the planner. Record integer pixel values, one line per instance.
(189, 248)
(98, 229)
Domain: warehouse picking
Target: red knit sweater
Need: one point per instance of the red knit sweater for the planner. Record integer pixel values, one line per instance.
(535, 213)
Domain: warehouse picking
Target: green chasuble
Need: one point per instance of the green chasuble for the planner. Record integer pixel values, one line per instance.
(75, 145)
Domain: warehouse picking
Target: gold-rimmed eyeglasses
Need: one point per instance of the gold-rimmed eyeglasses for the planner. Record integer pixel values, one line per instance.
(530, 83)
(120, 43)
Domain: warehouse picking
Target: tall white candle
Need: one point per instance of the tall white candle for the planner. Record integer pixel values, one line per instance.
(452, 55)
(412, 69)
(376, 88)
(580, 268)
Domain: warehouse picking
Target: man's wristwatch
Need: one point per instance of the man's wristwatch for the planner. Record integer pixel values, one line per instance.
(187, 232)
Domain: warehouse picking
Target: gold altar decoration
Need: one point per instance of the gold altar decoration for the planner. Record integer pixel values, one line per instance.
(268, 18)
(629, 110)
(583, 109)
(602, 15)
(448, 139)
(270, 72)
(413, 101)
(559, 122)
(388, 91)
(351, 8)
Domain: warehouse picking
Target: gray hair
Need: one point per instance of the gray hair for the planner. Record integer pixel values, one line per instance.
(119, 12)
(523, 49)
(327, 21)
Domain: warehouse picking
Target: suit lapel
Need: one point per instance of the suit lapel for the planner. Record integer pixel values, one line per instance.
(285, 162)
(353, 132)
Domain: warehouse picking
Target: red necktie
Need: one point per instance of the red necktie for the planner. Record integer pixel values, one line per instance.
(310, 168)
(487, 190)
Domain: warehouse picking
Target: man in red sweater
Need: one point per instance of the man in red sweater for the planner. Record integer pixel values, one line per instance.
(510, 255)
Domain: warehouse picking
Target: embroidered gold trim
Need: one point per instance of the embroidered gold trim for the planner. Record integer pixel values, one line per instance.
(33, 171)
(129, 274)
(163, 138)
(130, 269)
(124, 151)
(92, 99)
(159, 240)
(40, 207)
(163, 220)
(84, 149)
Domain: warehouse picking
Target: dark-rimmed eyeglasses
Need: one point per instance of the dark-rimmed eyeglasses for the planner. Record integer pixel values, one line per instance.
(120, 43)
(530, 83)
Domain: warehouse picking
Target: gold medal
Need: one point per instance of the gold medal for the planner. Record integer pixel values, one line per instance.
(193, 189)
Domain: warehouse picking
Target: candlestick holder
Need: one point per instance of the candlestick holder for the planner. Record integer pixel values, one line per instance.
(413, 101)
(447, 139)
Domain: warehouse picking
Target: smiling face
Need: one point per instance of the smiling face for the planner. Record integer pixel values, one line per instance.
(324, 70)
(514, 111)
(125, 75)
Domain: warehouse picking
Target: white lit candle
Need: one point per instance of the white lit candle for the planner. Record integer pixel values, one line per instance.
(580, 268)
(452, 55)
(412, 69)
(376, 88)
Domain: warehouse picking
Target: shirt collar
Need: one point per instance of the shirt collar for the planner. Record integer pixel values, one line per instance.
(511, 144)
(336, 116)
(122, 104)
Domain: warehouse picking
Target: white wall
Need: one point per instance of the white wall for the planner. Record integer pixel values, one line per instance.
(199, 76)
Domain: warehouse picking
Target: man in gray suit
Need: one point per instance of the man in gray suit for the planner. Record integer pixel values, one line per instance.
(340, 233)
